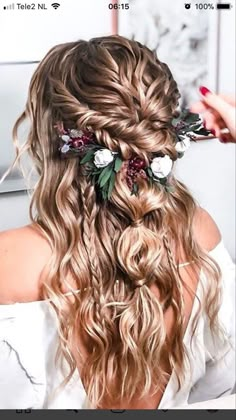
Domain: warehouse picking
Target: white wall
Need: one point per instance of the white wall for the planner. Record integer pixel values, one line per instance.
(207, 168)
(31, 33)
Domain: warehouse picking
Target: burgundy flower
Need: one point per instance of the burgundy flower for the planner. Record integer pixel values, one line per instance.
(137, 163)
(86, 139)
(77, 143)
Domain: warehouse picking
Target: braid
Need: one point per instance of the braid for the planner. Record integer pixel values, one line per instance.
(90, 211)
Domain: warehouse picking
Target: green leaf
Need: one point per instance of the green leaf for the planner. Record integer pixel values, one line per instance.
(194, 127)
(96, 172)
(163, 181)
(203, 132)
(90, 166)
(170, 188)
(104, 195)
(175, 121)
(111, 184)
(135, 189)
(103, 172)
(118, 163)
(149, 171)
(106, 176)
(87, 157)
(184, 112)
(191, 117)
(150, 180)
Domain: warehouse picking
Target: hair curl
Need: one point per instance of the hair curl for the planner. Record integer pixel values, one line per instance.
(119, 89)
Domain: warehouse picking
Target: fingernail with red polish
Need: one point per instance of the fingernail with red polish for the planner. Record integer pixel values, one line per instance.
(213, 132)
(204, 90)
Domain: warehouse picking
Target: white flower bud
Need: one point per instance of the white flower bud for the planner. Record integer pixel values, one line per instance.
(102, 158)
(65, 148)
(183, 145)
(65, 138)
(161, 166)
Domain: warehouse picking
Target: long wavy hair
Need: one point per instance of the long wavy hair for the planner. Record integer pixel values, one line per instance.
(121, 91)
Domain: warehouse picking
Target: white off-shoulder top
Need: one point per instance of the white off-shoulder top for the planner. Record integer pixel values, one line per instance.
(29, 338)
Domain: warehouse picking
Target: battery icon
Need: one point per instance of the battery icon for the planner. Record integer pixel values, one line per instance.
(223, 6)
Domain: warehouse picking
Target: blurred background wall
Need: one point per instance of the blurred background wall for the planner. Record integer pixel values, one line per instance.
(198, 47)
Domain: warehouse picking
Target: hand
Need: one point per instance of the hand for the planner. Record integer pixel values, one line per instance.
(219, 114)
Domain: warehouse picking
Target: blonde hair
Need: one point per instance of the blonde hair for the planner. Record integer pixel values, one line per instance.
(121, 91)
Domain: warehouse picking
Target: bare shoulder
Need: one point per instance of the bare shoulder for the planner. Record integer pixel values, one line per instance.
(23, 253)
(26, 236)
(9, 241)
(206, 230)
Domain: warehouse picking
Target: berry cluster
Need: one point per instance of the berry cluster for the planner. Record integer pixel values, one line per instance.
(135, 167)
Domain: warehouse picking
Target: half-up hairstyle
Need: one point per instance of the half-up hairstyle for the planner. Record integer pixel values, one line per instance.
(121, 91)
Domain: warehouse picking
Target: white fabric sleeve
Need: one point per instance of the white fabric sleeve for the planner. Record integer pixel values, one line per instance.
(219, 378)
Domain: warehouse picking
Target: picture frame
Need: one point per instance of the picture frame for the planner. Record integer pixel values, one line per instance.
(129, 26)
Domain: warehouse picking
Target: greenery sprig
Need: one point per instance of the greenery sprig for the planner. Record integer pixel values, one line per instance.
(103, 177)
(188, 122)
(186, 126)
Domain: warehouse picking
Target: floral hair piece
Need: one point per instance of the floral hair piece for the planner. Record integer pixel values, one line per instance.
(103, 164)
(187, 127)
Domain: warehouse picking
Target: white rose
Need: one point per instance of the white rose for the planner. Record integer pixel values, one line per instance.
(183, 145)
(161, 166)
(102, 158)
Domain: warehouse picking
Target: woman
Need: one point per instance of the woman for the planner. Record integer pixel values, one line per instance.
(120, 268)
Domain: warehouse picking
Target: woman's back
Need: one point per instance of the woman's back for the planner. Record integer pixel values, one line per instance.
(26, 249)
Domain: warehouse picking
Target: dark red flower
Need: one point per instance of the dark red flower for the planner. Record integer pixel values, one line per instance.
(77, 143)
(87, 137)
(137, 163)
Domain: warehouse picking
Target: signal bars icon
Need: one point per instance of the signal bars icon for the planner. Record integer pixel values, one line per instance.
(9, 7)
(55, 5)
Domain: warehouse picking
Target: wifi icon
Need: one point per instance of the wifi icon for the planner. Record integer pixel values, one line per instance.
(55, 5)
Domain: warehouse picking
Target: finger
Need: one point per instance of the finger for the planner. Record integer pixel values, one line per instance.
(209, 115)
(226, 138)
(229, 99)
(199, 107)
(215, 101)
(210, 119)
